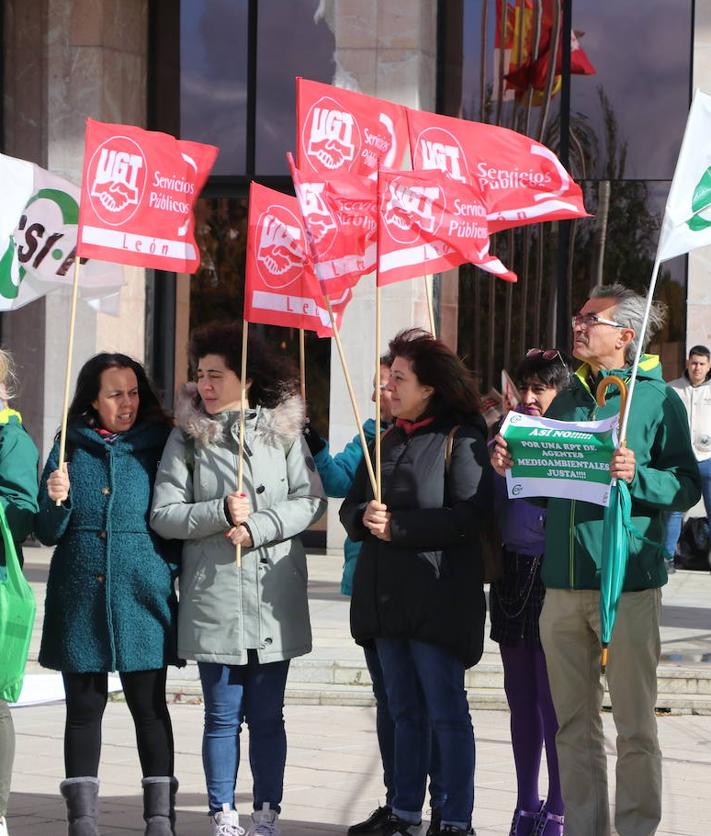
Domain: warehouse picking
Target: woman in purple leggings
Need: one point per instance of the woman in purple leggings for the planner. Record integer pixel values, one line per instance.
(516, 601)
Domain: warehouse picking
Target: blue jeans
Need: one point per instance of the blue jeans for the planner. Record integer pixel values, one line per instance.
(253, 692)
(425, 689)
(385, 731)
(675, 518)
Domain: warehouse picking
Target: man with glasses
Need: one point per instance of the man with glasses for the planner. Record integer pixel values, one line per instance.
(660, 468)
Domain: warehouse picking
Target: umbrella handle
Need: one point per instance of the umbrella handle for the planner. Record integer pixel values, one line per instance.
(612, 380)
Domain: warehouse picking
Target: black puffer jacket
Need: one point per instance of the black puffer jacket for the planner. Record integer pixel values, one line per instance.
(426, 582)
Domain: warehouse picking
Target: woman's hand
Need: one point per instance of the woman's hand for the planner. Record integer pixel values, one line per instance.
(501, 459)
(376, 518)
(238, 507)
(623, 464)
(239, 536)
(58, 485)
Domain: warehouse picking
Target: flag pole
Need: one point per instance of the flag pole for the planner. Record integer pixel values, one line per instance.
(68, 372)
(429, 290)
(242, 410)
(378, 480)
(351, 393)
(638, 353)
(302, 365)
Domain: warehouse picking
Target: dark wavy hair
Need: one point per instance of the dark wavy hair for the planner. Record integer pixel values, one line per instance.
(455, 390)
(89, 384)
(554, 372)
(274, 377)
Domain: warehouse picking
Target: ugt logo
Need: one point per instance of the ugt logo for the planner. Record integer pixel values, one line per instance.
(320, 223)
(117, 177)
(280, 247)
(330, 137)
(409, 209)
(440, 150)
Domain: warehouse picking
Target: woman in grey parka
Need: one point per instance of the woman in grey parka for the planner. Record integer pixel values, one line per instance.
(242, 625)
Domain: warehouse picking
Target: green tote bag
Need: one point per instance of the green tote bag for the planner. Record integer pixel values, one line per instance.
(17, 615)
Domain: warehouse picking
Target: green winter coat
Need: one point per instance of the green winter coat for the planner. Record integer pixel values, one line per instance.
(225, 611)
(666, 479)
(19, 461)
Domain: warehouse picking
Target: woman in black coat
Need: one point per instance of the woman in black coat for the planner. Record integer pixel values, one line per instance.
(418, 589)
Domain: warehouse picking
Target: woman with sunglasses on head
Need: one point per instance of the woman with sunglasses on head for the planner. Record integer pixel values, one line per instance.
(111, 603)
(516, 600)
(418, 594)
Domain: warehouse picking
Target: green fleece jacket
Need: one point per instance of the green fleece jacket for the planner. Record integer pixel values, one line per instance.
(666, 479)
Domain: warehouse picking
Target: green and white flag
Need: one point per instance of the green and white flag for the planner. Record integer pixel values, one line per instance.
(687, 217)
(564, 459)
(38, 235)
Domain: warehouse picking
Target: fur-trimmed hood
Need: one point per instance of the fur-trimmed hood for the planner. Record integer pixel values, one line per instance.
(281, 425)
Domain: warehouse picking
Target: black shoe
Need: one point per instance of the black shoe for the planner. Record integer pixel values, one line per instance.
(435, 823)
(450, 828)
(373, 824)
(395, 826)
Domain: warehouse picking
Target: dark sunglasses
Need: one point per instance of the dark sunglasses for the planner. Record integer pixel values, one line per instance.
(545, 353)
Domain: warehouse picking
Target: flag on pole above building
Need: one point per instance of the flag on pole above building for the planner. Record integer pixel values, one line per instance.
(139, 189)
(340, 131)
(39, 212)
(687, 216)
(280, 285)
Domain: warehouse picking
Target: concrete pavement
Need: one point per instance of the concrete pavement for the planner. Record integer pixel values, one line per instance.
(333, 774)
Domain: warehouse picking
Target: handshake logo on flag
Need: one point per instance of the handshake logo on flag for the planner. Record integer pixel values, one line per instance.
(409, 209)
(280, 250)
(333, 139)
(438, 149)
(117, 174)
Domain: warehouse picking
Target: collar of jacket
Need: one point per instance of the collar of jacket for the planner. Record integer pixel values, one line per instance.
(649, 367)
(409, 427)
(10, 416)
(281, 425)
(141, 436)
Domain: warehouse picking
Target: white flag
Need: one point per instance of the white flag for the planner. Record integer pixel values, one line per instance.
(687, 217)
(38, 235)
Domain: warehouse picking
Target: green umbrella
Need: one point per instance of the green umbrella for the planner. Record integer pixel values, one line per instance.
(615, 550)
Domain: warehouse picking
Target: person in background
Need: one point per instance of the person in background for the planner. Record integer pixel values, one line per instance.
(243, 624)
(660, 470)
(694, 389)
(516, 600)
(111, 603)
(19, 461)
(418, 585)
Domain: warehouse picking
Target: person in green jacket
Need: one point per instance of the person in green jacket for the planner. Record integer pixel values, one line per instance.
(18, 495)
(660, 468)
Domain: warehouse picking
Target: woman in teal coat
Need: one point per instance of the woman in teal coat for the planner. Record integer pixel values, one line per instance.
(111, 604)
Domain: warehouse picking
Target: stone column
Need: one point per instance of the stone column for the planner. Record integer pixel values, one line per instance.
(65, 61)
(384, 48)
(698, 308)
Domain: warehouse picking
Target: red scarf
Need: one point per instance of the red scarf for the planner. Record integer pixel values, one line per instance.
(409, 427)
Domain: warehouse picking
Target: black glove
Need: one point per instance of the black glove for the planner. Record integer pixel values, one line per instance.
(313, 439)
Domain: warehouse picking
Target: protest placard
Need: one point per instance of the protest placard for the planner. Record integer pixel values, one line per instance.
(565, 459)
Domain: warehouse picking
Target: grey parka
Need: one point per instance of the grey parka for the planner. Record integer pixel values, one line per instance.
(225, 611)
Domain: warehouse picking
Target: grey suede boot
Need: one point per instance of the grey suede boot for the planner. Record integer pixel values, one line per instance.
(159, 805)
(81, 796)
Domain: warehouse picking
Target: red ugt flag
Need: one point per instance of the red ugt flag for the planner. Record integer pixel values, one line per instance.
(522, 182)
(138, 191)
(339, 131)
(280, 285)
(430, 223)
(341, 223)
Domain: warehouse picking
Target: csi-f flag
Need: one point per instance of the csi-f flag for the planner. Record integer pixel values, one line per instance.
(39, 212)
(138, 193)
(687, 216)
(280, 285)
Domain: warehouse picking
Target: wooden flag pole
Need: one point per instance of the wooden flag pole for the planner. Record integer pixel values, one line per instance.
(68, 372)
(349, 385)
(378, 480)
(302, 365)
(429, 289)
(242, 410)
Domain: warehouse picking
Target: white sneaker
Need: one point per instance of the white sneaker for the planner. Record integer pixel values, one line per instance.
(265, 822)
(3, 827)
(225, 823)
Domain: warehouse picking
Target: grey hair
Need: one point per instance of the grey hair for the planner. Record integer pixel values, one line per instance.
(8, 379)
(629, 312)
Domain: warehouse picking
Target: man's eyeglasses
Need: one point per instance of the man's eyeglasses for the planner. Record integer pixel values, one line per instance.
(590, 319)
(544, 353)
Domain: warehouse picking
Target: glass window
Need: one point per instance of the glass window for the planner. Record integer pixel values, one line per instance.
(288, 45)
(213, 78)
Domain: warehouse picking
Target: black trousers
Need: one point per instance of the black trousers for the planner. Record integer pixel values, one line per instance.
(86, 695)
